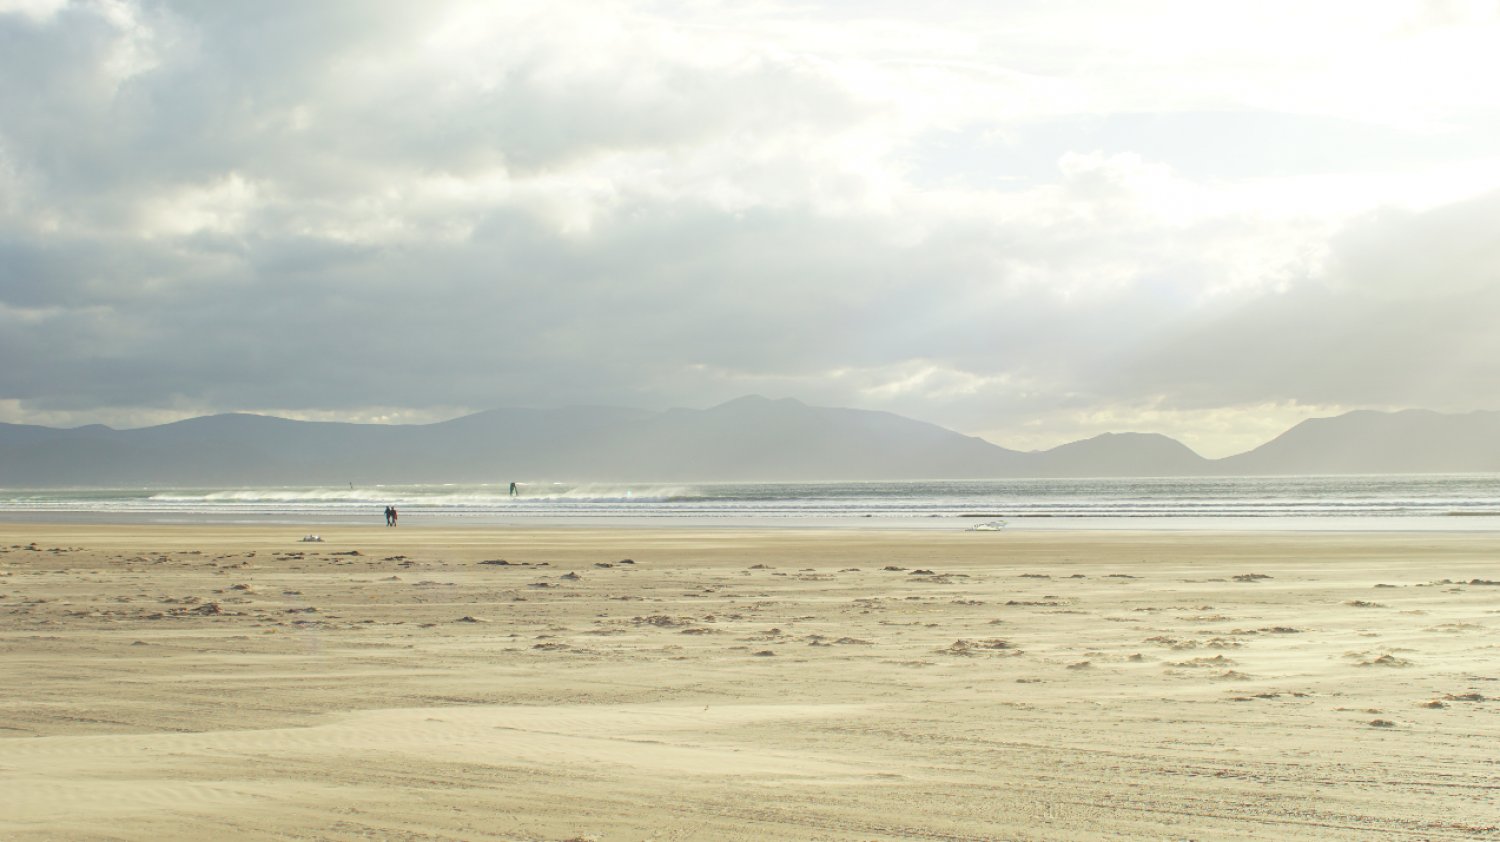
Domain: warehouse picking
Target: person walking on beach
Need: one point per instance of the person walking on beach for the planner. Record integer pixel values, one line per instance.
(389, 515)
(393, 516)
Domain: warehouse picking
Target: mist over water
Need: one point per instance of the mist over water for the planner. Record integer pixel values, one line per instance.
(1468, 501)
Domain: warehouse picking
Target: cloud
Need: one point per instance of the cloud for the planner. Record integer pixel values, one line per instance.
(374, 210)
(1399, 316)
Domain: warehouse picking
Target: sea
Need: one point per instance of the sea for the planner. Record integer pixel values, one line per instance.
(1446, 502)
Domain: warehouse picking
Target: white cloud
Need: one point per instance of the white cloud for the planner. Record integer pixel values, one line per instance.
(35, 10)
(1086, 215)
(221, 206)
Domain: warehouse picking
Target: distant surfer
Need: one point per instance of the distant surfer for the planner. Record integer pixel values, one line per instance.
(514, 492)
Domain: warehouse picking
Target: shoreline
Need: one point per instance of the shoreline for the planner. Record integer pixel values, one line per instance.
(444, 535)
(482, 683)
(927, 524)
(1469, 502)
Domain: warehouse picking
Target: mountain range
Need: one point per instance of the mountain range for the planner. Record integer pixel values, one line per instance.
(747, 439)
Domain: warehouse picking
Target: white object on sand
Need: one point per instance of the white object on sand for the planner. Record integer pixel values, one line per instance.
(311, 539)
(991, 526)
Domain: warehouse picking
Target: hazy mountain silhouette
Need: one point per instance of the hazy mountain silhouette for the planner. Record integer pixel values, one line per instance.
(751, 438)
(1122, 454)
(1365, 442)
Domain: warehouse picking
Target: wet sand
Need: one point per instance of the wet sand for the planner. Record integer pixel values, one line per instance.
(631, 684)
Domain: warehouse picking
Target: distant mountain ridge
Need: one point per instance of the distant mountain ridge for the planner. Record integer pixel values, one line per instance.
(1368, 442)
(748, 439)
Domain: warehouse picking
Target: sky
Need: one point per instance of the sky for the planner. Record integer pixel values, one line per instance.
(1028, 221)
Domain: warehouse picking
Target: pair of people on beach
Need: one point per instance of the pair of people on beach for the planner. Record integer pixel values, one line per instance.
(390, 515)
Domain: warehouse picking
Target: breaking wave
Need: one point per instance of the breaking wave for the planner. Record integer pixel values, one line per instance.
(1252, 502)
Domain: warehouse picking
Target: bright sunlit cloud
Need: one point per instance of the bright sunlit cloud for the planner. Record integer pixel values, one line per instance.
(1034, 221)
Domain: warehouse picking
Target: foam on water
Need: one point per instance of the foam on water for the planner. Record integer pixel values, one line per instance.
(1254, 502)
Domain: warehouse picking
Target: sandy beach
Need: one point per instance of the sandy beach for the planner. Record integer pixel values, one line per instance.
(435, 683)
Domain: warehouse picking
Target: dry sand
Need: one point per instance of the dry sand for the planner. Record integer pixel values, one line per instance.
(221, 682)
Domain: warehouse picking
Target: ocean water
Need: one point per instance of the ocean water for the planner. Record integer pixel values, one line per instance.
(1447, 502)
